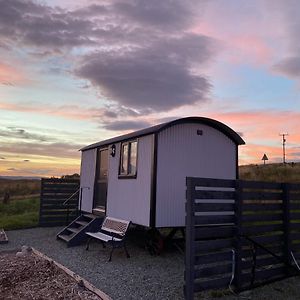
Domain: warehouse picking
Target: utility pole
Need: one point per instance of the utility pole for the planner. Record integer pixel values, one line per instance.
(283, 145)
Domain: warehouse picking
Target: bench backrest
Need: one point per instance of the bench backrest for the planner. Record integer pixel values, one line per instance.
(115, 225)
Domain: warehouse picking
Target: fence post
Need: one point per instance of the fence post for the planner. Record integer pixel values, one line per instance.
(238, 242)
(286, 224)
(41, 200)
(190, 240)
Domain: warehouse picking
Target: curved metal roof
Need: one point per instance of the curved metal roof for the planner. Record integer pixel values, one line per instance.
(157, 128)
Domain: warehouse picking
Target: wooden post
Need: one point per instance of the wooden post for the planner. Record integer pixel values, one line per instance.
(238, 242)
(190, 240)
(41, 201)
(287, 225)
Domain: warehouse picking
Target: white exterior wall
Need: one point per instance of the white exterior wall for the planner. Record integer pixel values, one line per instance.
(87, 178)
(129, 199)
(181, 153)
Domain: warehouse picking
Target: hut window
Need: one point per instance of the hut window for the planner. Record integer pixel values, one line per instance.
(128, 159)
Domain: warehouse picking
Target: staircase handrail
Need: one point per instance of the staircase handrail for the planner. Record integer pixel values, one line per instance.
(71, 196)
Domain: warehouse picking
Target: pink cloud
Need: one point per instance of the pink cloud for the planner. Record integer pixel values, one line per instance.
(10, 76)
(261, 131)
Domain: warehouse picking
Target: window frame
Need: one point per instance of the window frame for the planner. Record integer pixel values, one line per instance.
(128, 174)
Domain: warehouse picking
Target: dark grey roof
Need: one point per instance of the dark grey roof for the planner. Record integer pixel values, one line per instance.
(157, 128)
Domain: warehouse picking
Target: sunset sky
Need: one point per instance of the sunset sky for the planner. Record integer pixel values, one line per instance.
(77, 72)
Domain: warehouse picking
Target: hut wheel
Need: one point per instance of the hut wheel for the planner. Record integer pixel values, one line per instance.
(154, 241)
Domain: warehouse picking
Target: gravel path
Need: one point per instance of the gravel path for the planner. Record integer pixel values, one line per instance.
(140, 277)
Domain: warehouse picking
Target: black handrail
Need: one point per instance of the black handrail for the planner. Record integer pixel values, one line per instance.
(67, 201)
(80, 202)
(254, 254)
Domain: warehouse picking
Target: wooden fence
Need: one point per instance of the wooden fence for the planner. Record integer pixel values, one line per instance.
(54, 192)
(240, 233)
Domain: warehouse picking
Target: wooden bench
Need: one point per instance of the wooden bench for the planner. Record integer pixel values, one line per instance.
(112, 231)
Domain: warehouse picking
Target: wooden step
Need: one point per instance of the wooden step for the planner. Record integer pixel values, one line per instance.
(82, 223)
(74, 230)
(89, 216)
(65, 237)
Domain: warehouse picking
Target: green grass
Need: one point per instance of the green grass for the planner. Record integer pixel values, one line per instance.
(19, 214)
(271, 172)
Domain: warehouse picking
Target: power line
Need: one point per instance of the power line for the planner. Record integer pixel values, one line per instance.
(283, 145)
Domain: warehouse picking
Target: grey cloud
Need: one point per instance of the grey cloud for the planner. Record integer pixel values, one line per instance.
(289, 66)
(113, 112)
(144, 59)
(66, 150)
(158, 77)
(168, 14)
(126, 125)
(23, 134)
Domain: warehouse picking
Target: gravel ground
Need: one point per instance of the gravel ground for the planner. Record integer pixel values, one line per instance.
(142, 276)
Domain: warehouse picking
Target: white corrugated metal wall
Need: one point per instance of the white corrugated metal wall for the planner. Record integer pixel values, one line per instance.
(87, 178)
(181, 153)
(129, 199)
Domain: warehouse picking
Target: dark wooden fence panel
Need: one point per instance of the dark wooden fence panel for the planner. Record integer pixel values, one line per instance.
(231, 224)
(54, 192)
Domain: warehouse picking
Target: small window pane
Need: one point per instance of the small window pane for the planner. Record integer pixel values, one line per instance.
(133, 158)
(124, 164)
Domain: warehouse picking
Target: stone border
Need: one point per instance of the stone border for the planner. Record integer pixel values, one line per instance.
(81, 281)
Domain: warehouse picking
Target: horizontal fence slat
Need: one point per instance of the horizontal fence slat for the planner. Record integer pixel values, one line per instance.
(262, 207)
(294, 187)
(214, 219)
(295, 215)
(265, 240)
(49, 218)
(279, 271)
(212, 284)
(211, 182)
(52, 224)
(263, 217)
(262, 196)
(295, 206)
(214, 232)
(294, 196)
(213, 257)
(261, 185)
(55, 213)
(208, 271)
(295, 226)
(259, 229)
(60, 204)
(261, 262)
(295, 236)
(214, 207)
(206, 246)
(214, 194)
(275, 249)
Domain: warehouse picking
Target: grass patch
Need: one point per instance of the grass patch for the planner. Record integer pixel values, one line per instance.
(19, 214)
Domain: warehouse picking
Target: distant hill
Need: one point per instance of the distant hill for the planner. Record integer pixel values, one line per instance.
(19, 187)
(20, 177)
(271, 172)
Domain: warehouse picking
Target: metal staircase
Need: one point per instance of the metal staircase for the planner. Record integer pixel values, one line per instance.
(74, 233)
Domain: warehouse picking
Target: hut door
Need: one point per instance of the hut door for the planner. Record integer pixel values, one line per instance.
(101, 179)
